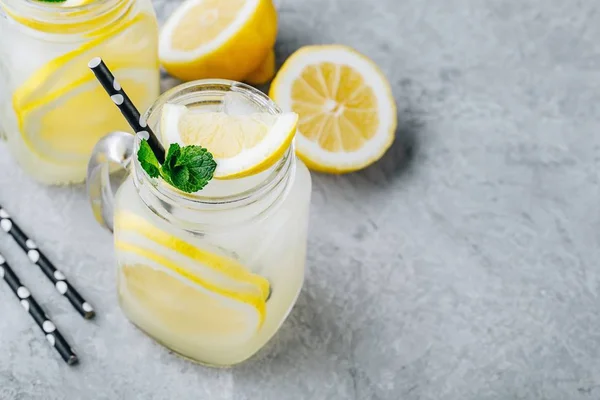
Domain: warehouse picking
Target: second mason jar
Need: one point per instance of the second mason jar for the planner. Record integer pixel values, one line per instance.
(52, 110)
(211, 275)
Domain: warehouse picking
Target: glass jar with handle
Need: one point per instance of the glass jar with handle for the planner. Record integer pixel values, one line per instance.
(210, 275)
(52, 110)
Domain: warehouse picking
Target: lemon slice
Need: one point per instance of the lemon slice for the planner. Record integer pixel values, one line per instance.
(218, 39)
(119, 45)
(191, 290)
(218, 270)
(253, 299)
(186, 308)
(64, 126)
(347, 111)
(242, 145)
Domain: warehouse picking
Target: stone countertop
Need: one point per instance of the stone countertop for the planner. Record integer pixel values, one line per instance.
(461, 266)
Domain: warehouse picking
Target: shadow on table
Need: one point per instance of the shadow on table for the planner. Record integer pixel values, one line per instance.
(313, 353)
(398, 162)
(299, 333)
(308, 333)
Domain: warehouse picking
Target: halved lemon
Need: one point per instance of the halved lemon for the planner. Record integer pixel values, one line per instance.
(242, 145)
(265, 71)
(131, 44)
(345, 103)
(64, 126)
(218, 39)
(216, 269)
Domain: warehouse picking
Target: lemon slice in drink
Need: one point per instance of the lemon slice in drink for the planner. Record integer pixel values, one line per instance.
(242, 145)
(119, 45)
(347, 111)
(218, 39)
(167, 264)
(186, 307)
(215, 269)
(192, 290)
(64, 126)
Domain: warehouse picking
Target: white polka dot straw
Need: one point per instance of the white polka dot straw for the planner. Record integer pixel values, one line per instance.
(53, 336)
(36, 256)
(126, 106)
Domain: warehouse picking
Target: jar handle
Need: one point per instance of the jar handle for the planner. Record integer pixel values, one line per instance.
(108, 168)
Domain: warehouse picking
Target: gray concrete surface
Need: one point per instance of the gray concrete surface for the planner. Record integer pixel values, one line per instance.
(463, 266)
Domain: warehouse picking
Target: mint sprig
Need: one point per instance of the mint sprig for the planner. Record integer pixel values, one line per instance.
(148, 160)
(187, 168)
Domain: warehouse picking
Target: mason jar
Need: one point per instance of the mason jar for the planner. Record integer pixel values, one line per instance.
(210, 275)
(52, 110)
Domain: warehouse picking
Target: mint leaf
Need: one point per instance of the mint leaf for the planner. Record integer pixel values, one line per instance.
(148, 160)
(188, 169)
(172, 156)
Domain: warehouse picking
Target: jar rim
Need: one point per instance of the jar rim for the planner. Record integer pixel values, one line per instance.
(188, 92)
(52, 18)
(52, 6)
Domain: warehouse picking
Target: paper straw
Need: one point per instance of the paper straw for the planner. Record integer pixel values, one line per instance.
(53, 336)
(126, 106)
(36, 256)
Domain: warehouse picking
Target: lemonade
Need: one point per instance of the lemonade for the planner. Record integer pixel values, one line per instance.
(213, 274)
(53, 111)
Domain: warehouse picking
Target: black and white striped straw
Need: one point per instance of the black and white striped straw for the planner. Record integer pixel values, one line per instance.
(53, 336)
(126, 106)
(36, 256)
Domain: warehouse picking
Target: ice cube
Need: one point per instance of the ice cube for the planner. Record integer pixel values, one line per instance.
(235, 103)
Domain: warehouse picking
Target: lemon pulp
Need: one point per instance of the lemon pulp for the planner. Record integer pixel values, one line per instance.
(345, 103)
(242, 145)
